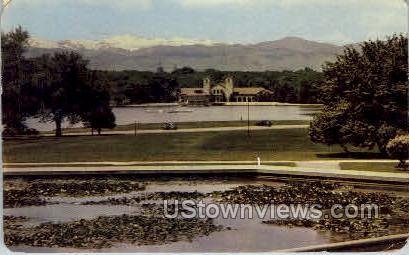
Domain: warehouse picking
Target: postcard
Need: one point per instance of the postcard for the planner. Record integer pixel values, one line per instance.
(193, 126)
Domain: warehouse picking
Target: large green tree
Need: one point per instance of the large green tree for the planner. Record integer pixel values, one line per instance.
(18, 99)
(65, 88)
(364, 95)
(97, 113)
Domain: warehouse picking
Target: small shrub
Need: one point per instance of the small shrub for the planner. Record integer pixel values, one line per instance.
(24, 131)
(398, 148)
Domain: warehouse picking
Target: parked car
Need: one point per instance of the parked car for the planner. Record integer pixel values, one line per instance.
(266, 123)
(32, 131)
(170, 126)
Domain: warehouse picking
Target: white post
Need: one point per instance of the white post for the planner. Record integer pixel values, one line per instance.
(258, 161)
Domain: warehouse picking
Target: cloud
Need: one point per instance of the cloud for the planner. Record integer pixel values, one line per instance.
(119, 4)
(285, 3)
(339, 21)
(214, 3)
(250, 21)
(196, 4)
(123, 4)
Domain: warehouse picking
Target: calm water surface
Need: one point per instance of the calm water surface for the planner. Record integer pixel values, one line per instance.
(129, 115)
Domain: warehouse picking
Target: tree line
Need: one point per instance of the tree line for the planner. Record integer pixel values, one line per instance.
(133, 87)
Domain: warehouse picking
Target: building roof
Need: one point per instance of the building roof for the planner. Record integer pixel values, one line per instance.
(193, 92)
(249, 91)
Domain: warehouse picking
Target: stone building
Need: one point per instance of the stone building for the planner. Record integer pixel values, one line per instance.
(220, 92)
(194, 96)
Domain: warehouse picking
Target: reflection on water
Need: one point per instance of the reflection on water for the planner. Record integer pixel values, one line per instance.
(248, 235)
(129, 115)
(65, 212)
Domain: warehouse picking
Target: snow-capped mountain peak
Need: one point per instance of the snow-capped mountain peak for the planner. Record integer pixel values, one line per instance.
(126, 42)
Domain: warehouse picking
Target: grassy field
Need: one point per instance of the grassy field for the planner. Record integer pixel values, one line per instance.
(182, 125)
(367, 166)
(290, 144)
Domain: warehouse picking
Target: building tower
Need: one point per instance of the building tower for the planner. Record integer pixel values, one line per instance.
(229, 85)
(206, 85)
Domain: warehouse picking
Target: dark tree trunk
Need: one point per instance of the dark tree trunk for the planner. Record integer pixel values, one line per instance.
(58, 130)
(382, 148)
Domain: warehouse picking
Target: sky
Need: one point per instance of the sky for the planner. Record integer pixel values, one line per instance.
(230, 21)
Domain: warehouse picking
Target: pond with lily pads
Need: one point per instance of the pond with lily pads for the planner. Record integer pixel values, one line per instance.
(125, 213)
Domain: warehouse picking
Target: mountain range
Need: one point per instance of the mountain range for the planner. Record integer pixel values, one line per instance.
(130, 52)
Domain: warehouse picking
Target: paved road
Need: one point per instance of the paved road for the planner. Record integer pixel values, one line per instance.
(185, 130)
(316, 163)
(319, 164)
(399, 177)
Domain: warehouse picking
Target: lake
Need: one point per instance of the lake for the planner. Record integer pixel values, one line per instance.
(158, 114)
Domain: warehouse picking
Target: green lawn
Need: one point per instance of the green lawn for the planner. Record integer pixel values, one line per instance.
(368, 166)
(182, 125)
(290, 144)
